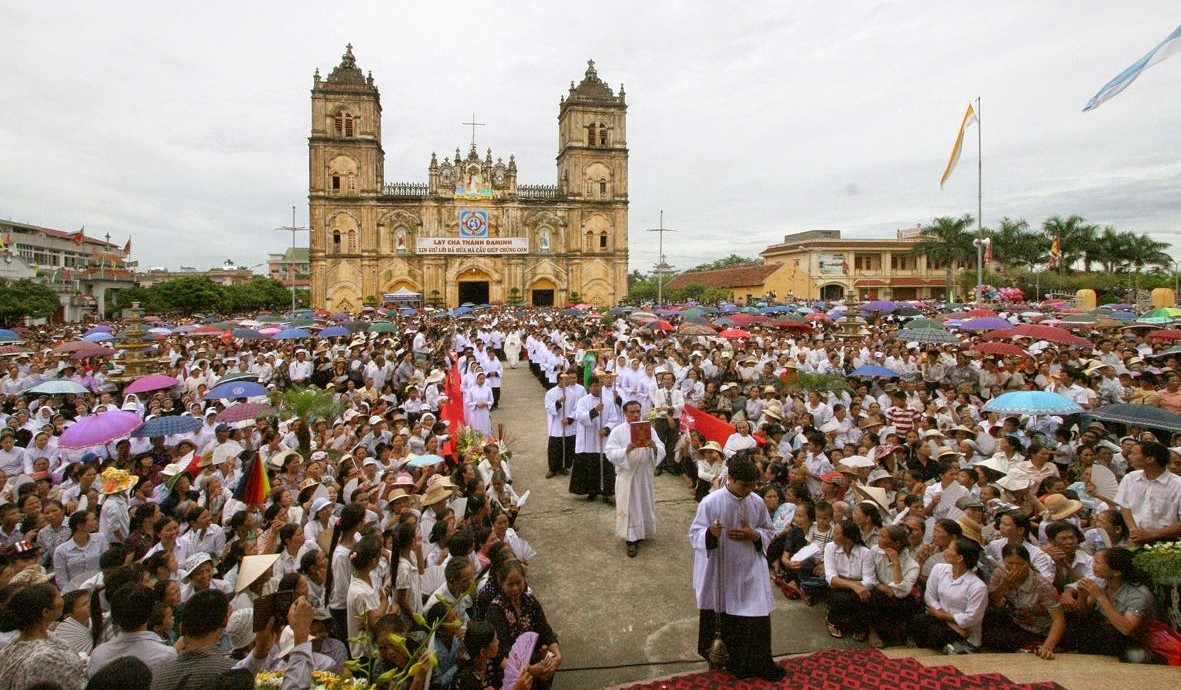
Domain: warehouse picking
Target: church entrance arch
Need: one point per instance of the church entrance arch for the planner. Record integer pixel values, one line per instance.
(474, 287)
(832, 292)
(542, 293)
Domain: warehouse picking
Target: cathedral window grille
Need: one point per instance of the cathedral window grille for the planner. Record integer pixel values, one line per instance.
(590, 241)
(590, 135)
(344, 123)
(603, 241)
(602, 134)
(336, 241)
(352, 244)
(602, 187)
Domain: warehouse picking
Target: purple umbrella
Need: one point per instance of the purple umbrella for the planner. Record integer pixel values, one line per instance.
(884, 306)
(151, 382)
(985, 323)
(99, 428)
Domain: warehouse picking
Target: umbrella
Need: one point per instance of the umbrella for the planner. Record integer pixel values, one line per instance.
(247, 334)
(59, 387)
(236, 389)
(745, 319)
(619, 311)
(696, 329)
(1123, 316)
(236, 376)
(93, 352)
(1047, 333)
(333, 332)
(907, 311)
(160, 331)
(73, 346)
(424, 460)
(383, 327)
(167, 426)
(985, 323)
(301, 322)
(1032, 402)
(1166, 334)
(1171, 352)
(245, 411)
(292, 334)
(151, 382)
(793, 324)
(923, 323)
(1001, 349)
(6, 334)
(933, 336)
(1137, 415)
(883, 306)
(659, 325)
(14, 350)
(207, 330)
(270, 318)
(818, 316)
(869, 371)
(974, 313)
(734, 333)
(254, 487)
(98, 337)
(99, 428)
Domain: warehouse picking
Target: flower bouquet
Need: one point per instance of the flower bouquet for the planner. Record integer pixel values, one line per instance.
(321, 680)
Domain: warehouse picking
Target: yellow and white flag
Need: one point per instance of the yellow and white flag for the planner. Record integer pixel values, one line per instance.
(969, 118)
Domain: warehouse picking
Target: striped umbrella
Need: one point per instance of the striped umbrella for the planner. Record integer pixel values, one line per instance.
(244, 412)
(254, 487)
(167, 426)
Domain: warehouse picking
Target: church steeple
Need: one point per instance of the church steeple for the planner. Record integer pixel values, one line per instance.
(592, 139)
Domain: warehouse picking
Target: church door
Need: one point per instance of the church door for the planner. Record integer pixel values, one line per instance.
(542, 298)
(474, 291)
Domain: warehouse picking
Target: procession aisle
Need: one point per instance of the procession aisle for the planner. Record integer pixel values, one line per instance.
(606, 608)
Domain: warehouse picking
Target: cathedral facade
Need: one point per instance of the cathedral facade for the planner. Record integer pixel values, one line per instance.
(471, 232)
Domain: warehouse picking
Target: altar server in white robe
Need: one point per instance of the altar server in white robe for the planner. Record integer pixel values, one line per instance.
(478, 400)
(635, 502)
(732, 530)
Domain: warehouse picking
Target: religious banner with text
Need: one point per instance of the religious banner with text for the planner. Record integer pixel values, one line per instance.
(472, 245)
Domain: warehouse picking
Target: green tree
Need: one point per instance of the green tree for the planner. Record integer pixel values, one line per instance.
(732, 261)
(1076, 237)
(191, 294)
(26, 298)
(1015, 245)
(947, 241)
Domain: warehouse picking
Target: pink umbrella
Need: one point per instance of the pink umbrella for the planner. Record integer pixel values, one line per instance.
(245, 411)
(269, 330)
(94, 352)
(99, 428)
(151, 382)
(734, 333)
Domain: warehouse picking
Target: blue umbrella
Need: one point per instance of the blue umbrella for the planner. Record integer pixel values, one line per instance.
(247, 334)
(98, 336)
(868, 371)
(292, 334)
(424, 460)
(6, 334)
(334, 332)
(167, 426)
(460, 311)
(1137, 415)
(1032, 402)
(1123, 316)
(883, 306)
(408, 312)
(236, 389)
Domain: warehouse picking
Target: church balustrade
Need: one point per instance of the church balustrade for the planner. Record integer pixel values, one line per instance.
(407, 190)
(539, 191)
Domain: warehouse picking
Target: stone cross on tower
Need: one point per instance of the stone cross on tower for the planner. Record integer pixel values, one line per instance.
(473, 125)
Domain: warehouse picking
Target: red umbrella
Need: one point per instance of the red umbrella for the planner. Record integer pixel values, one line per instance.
(1047, 333)
(659, 325)
(1001, 349)
(696, 329)
(818, 316)
(792, 324)
(734, 333)
(245, 411)
(1167, 334)
(975, 313)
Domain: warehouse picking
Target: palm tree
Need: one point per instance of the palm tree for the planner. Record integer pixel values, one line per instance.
(1015, 245)
(1076, 238)
(1109, 249)
(947, 241)
(1141, 251)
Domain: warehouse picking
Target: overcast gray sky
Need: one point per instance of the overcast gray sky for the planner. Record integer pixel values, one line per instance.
(185, 127)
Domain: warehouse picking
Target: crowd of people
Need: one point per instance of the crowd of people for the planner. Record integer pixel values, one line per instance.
(386, 546)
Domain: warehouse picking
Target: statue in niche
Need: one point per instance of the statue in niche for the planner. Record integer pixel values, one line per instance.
(400, 240)
(545, 240)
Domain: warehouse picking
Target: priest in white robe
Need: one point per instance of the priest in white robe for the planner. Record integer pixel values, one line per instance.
(635, 501)
(730, 535)
(595, 415)
(478, 400)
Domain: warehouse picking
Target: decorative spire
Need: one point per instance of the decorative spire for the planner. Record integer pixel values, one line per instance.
(347, 71)
(592, 90)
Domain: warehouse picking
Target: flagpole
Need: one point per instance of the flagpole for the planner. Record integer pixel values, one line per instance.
(979, 202)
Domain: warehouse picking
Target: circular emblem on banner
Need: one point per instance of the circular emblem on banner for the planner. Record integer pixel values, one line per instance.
(474, 225)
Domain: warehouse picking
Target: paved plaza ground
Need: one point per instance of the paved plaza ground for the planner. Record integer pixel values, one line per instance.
(624, 620)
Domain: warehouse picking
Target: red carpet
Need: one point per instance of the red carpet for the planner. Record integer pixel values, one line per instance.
(850, 669)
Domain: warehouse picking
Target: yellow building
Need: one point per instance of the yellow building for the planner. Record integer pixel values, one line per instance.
(820, 264)
(470, 232)
(744, 284)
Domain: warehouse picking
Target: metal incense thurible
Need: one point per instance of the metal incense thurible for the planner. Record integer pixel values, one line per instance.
(718, 655)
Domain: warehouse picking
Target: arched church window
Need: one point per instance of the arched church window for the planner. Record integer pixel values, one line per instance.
(590, 135)
(344, 123)
(602, 134)
(589, 245)
(336, 241)
(603, 241)
(352, 242)
(603, 187)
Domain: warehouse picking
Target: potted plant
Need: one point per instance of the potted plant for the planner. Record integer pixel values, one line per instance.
(1161, 564)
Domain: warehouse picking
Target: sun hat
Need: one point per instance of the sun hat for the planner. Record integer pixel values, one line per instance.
(436, 376)
(33, 575)
(712, 446)
(404, 479)
(878, 475)
(969, 501)
(240, 629)
(945, 451)
(276, 461)
(874, 494)
(226, 451)
(1060, 507)
(193, 562)
(832, 477)
(1016, 479)
(438, 491)
(116, 481)
(319, 504)
(253, 567)
(970, 528)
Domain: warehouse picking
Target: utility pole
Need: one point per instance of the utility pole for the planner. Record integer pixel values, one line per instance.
(291, 264)
(661, 266)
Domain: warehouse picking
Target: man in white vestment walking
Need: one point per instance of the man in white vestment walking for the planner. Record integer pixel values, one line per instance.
(635, 501)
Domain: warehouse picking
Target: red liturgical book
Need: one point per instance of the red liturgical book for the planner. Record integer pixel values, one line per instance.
(641, 433)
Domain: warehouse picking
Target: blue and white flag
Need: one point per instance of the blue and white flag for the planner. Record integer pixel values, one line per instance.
(1167, 47)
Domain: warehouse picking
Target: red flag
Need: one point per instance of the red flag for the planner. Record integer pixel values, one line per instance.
(79, 237)
(711, 427)
(127, 248)
(452, 410)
